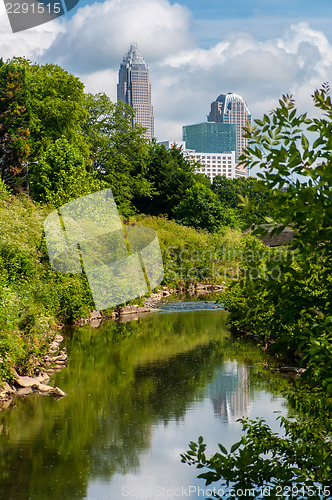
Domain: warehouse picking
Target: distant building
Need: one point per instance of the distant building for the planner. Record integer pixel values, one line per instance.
(171, 144)
(134, 88)
(210, 137)
(211, 164)
(230, 108)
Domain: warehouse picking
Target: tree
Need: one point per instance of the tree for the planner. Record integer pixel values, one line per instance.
(119, 152)
(201, 208)
(61, 175)
(292, 307)
(298, 465)
(56, 101)
(279, 146)
(170, 176)
(38, 105)
(231, 191)
(14, 121)
(289, 311)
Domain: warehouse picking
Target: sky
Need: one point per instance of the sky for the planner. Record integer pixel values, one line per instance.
(195, 50)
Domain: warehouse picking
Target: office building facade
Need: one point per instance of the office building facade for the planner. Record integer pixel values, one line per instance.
(209, 164)
(209, 137)
(213, 164)
(134, 88)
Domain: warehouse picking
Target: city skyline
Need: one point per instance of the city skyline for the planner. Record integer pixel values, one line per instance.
(195, 50)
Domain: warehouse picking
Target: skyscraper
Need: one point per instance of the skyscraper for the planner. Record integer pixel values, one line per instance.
(231, 108)
(134, 88)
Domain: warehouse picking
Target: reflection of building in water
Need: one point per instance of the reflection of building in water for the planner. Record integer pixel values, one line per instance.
(229, 392)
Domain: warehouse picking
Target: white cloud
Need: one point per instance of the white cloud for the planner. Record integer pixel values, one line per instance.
(297, 62)
(97, 36)
(31, 43)
(185, 78)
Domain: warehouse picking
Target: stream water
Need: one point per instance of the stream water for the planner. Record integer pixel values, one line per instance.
(137, 393)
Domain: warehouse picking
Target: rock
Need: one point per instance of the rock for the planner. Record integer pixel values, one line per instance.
(43, 378)
(6, 404)
(95, 323)
(42, 388)
(58, 392)
(54, 346)
(25, 381)
(95, 315)
(62, 357)
(8, 389)
(289, 369)
(24, 391)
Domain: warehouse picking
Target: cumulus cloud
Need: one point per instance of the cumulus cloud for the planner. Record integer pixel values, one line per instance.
(31, 43)
(96, 37)
(297, 62)
(185, 77)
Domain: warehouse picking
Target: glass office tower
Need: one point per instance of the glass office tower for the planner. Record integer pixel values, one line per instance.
(134, 88)
(210, 137)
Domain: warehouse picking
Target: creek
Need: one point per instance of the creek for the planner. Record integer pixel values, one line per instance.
(137, 393)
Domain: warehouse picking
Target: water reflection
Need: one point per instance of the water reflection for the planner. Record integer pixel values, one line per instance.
(230, 392)
(138, 392)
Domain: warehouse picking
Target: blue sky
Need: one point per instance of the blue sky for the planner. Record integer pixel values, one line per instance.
(195, 49)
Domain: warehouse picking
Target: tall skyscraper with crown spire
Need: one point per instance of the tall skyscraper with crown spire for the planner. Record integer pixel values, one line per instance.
(134, 88)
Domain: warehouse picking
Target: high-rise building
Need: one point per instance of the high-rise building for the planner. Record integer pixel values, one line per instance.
(209, 137)
(231, 108)
(134, 88)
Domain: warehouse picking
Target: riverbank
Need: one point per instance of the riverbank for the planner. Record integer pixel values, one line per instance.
(56, 358)
(35, 299)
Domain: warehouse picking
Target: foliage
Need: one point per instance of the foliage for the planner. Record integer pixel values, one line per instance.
(56, 102)
(170, 176)
(283, 299)
(228, 191)
(192, 256)
(38, 105)
(62, 175)
(284, 296)
(14, 121)
(201, 207)
(296, 465)
(119, 152)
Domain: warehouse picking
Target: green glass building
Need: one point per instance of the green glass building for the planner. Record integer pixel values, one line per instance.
(210, 137)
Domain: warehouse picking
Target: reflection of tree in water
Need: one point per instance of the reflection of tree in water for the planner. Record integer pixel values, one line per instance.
(120, 381)
(229, 392)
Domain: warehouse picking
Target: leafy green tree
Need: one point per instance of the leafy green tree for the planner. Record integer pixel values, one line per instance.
(61, 175)
(294, 302)
(201, 208)
(38, 105)
(298, 465)
(56, 102)
(119, 152)
(232, 191)
(170, 176)
(14, 121)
